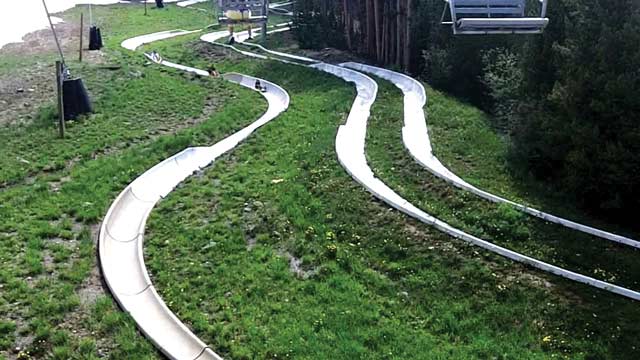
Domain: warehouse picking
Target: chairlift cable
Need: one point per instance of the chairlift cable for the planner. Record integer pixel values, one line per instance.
(55, 35)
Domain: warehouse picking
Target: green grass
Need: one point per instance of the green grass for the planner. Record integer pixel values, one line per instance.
(372, 284)
(499, 223)
(503, 225)
(55, 192)
(120, 22)
(33, 216)
(380, 285)
(465, 142)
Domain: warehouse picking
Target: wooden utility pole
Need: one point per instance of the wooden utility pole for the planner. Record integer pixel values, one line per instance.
(59, 82)
(81, 35)
(145, 7)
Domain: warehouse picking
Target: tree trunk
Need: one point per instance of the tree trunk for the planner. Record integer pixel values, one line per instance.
(347, 22)
(399, 33)
(385, 33)
(376, 11)
(407, 44)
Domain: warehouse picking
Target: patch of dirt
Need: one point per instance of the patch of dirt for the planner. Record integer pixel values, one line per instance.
(215, 53)
(434, 244)
(92, 289)
(70, 243)
(211, 106)
(55, 186)
(76, 321)
(29, 87)
(251, 218)
(20, 345)
(295, 266)
(332, 56)
(48, 261)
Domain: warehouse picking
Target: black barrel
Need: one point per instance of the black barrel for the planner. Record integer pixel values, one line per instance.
(95, 38)
(75, 98)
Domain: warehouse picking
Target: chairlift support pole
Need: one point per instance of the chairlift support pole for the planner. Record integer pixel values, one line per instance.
(60, 70)
(55, 36)
(59, 86)
(265, 13)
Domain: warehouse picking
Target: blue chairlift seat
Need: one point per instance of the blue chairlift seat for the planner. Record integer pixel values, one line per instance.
(470, 17)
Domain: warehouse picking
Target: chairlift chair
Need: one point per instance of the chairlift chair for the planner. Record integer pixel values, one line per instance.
(472, 17)
(241, 11)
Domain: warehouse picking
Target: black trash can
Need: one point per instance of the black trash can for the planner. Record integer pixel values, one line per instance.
(95, 38)
(159, 4)
(75, 99)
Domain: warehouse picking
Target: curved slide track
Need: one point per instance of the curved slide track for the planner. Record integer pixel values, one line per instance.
(350, 148)
(188, 3)
(122, 231)
(416, 139)
(415, 136)
(134, 43)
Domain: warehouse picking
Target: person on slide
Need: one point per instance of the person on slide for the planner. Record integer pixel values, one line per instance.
(258, 86)
(155, 56)
(213, 72)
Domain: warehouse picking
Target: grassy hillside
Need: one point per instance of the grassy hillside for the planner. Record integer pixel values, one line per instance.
(54, 192)
(274, 251)
(313, 272)
(469, 139)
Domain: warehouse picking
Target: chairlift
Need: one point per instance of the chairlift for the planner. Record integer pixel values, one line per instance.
(473, 17)
(242, 11)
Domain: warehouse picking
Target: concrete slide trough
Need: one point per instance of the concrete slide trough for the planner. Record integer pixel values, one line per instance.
(122, 231)
(350, 148)
(415, 136)
(134, 43)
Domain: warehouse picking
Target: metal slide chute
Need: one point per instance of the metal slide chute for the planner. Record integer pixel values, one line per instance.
(121, 235)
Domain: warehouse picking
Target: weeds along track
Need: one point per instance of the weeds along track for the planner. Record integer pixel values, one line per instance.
(416, 139)
(122, 231)
(350, 148)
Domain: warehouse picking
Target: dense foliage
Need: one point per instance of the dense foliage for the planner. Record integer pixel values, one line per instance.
(569, 99)
(578, 123)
